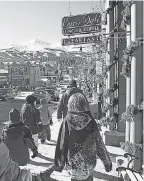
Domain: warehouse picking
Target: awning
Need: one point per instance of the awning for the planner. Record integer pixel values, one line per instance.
(44, 80)
(3, 78)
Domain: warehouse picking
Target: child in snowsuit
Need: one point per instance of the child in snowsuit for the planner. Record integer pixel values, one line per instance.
(18, 139)
(46, 120)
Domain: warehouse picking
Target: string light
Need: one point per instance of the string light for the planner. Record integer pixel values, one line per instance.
(92, 6)
(101, 6)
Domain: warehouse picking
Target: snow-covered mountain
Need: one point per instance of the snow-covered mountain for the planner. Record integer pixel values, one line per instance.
(36, 49)
(38, 45)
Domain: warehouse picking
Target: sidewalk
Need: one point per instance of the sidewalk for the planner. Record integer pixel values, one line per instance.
(45, 159)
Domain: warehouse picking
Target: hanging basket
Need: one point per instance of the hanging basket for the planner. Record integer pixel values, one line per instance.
(126, 13)
(129, 51)
(131, 112)
(130, 147)
(105, 121)
(115, 102)
(106, 107)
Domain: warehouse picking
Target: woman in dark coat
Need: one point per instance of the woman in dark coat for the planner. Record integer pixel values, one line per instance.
(79, 142)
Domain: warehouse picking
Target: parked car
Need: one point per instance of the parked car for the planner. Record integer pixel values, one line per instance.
(11, 94)
(3, 94)
(39, 94)
(53, 93)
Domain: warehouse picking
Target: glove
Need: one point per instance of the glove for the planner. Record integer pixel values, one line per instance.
(51, 122)
(108, 167)
(59, 120)
(47, 172)
(35, 152)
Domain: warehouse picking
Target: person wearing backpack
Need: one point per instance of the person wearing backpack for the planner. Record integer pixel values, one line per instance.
(18, 138)
(31, 117)
(62, 106)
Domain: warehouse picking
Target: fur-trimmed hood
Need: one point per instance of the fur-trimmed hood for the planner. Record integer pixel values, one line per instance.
(78, 121)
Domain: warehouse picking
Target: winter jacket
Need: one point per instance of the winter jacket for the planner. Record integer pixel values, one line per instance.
(14, 135)
(62, 106)
(78, 143)
(10, 171)
(31, 117)
(45, 115)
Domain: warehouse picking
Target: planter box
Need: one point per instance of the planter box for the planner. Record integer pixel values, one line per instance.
(113, 138)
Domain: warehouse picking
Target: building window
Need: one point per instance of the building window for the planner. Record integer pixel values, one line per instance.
(27, 81)
(26, 69)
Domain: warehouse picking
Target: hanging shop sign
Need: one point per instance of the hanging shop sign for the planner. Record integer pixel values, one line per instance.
(17, 77)
(81, 30)
(81, 40)
(81, 24)
(81, 20)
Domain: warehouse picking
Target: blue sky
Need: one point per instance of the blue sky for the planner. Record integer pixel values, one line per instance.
(23, 21)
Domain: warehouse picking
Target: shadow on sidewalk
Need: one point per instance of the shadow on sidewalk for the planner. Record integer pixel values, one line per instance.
(45, 158)
(40, 163)
(51, 144)
(51, 179)
(100, 175)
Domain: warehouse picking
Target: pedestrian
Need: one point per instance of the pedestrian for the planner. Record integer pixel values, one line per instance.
(46, 119)
(79, 142)
(62, 106)
(18, 139)
(10, 171)
(31, 117)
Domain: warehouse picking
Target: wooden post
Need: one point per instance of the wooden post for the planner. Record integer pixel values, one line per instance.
(133, 69)
(94, 82)
(128, 92)
(139, 82)
(108, 57)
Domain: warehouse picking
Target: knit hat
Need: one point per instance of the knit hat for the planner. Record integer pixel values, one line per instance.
(78, 103)
(43, 101)
(72, 83)
(14, 115)
(31, 99)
